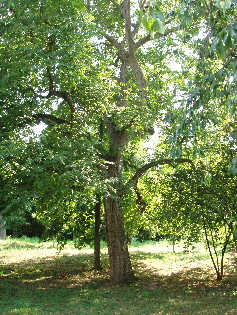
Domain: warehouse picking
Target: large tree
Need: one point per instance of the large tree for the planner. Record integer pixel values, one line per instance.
(89, 71)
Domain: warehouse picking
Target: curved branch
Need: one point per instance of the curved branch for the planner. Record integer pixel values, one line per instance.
(147, 166)
(113, 41)
(134, 180)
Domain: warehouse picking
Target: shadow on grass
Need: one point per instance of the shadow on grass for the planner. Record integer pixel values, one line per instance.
(69, 285)
(54, 271)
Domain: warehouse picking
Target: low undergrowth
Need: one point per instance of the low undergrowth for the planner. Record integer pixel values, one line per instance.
(37, 279)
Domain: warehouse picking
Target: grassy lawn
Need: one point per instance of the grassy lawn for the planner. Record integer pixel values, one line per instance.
(35, 279)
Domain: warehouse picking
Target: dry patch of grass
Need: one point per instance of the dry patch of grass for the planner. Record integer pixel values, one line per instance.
(36, 279)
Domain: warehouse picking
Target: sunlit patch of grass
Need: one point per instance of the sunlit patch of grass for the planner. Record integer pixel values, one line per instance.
(40, 280)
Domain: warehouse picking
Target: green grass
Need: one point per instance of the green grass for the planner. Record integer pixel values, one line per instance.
(36, 279)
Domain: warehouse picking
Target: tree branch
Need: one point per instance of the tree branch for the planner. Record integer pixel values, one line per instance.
(51, 82)
(138, 73)
(126, 11)
(142, 4)
(142, 41)
(140, 201)
(135, 29)
(37, 118)
(48, 117)
(62, 94)
(146, 167)
(134, 180)
(147, 38)
(113, 41)
(121, 51)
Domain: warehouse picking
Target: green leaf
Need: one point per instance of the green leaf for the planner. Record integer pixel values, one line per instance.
(223, 4)
(79, 5)
(157, 14)
(158, 26)
(228, 41)
(221, 51)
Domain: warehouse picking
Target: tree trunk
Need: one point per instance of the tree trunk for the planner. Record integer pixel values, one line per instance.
(173, 244)
(2, 229)
(97, 264)
(120, 265)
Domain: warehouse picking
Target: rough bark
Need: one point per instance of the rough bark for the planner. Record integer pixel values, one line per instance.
(97, 263)
(120, 265)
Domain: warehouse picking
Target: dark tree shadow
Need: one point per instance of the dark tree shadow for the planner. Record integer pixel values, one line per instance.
(62, 279)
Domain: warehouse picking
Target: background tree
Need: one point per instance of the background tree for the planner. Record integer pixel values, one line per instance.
(196, 203)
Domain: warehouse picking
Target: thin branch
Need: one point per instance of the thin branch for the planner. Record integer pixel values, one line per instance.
(209, 249)
(66, 97)
(142, 4)
(215, 250)
(51, 82)
(142, 41)
(88, 6)
(140, 200)
(113, 41)
(135, 29)
(227, 238)
(147, 38)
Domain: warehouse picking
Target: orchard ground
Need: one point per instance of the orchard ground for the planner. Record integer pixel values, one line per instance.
(37, 279)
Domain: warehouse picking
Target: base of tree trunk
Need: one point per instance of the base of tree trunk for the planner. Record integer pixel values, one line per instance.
(2, 229)
(120, 265)
(97, 263)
